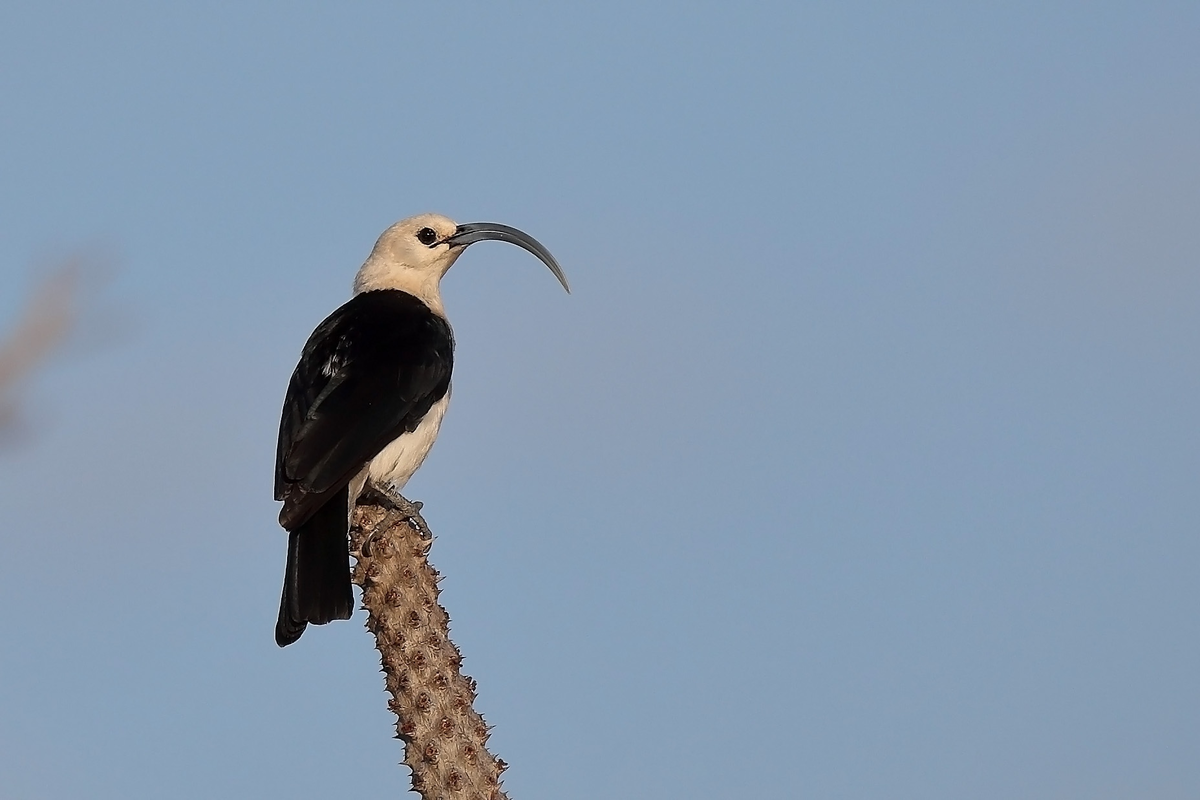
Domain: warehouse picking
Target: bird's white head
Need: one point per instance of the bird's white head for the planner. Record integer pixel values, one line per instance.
(415, 253)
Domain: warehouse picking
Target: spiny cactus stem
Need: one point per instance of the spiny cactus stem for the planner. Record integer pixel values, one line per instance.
(444, 738)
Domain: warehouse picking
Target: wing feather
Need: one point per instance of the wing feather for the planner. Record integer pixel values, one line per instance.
(368, 373)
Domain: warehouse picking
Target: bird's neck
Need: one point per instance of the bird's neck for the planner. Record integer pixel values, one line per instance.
(421, 284)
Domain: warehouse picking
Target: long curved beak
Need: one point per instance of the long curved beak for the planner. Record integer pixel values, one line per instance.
(472, 232)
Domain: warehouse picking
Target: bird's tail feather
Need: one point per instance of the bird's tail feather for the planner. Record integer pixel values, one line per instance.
(316, 581)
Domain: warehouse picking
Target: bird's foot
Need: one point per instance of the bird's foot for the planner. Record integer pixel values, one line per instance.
(411, 509)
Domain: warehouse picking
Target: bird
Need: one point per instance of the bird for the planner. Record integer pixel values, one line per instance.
(365, 403)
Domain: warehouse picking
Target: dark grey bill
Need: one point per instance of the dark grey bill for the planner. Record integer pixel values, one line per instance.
(473, 232)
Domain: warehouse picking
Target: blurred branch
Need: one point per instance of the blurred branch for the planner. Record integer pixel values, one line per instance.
(444, 738)
(42, 329)
(58, 316)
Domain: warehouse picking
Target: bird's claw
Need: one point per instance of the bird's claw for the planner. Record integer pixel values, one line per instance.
(411, 509)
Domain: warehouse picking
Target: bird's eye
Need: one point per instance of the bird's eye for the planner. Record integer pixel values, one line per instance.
(426, 236)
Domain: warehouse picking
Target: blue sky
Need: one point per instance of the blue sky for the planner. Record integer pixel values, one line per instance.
(862, 462)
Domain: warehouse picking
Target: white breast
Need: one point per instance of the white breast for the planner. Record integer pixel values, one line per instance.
(397, 462)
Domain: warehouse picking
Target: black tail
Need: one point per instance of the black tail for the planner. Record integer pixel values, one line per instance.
(316, 582)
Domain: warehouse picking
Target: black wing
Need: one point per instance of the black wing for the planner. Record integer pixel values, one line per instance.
(368, 373)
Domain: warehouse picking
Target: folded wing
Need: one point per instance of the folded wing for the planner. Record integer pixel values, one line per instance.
(368, 373)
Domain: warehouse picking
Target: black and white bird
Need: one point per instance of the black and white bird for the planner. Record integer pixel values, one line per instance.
(365, 403)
